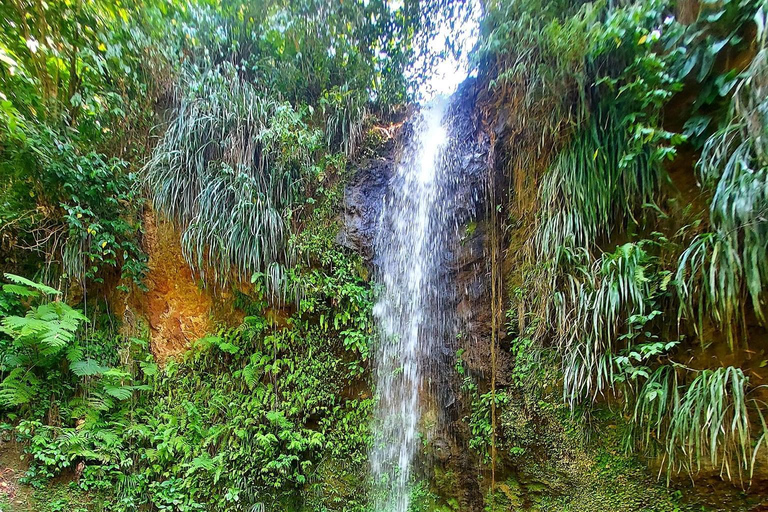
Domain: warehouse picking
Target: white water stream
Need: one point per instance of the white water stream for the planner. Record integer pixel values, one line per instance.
(411, 241)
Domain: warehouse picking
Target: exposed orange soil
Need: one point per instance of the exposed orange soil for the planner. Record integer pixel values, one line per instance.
(178, 309)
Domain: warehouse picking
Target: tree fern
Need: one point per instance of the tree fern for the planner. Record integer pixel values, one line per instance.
(18, 387)
(45, 330)
(39, 341)
(25, 287)
(87, 368)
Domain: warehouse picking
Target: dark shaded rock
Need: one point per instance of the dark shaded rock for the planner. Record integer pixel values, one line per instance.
(363, 198)
(462, 279)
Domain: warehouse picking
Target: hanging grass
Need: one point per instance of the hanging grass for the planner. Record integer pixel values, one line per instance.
(710, 270)
(594, 184)
(709, 421)
(607, 93)
(721, 271)
(228, 171)
(345, 112)
(538, 51)
(592, 305)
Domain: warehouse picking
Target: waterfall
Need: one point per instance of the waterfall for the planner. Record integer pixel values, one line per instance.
(414, 231)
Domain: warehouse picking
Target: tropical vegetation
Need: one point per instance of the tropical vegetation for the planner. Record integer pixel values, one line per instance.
(628, 232)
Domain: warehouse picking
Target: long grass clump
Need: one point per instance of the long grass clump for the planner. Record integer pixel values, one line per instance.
(592, 304)
(723, 270)
(591, 187)
(228, 171)
(708, 421)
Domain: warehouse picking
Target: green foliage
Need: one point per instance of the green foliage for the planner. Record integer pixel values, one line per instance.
(252, 127)
(527, 357)
(270, 99)
(611, 166)
(720, 271)
(711, 270)
(538, 48)
(480, 425)
(35, 342)
(255, 415)
(250, 415)
(593, 79)
(77, 206)
(74, 63)
(706, 421)
(718, 32)
(593, 304)
(264, 413)
(74, 81)
(562, 459)
(228, 170)
(49, 371)
(268, 103)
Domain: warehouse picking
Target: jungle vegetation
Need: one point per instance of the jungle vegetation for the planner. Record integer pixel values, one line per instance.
(634, 241)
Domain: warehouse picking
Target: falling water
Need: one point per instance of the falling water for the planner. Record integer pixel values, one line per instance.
(411, 241)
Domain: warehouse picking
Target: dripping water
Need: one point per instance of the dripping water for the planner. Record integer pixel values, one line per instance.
(416, 227)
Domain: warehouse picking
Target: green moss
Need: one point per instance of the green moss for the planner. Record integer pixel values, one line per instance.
(62, 497)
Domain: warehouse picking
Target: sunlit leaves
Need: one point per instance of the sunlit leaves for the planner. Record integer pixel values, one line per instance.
(26, 287)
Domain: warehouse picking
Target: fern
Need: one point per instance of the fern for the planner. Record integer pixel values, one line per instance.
(119, 392)
(19, 387)
(19, 290)
(202, 461)
(87, 368)
(24, 286)
(46, 329)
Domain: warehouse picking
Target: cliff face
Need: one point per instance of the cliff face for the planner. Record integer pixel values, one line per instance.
(177, 309)
(546, 457)
(451, 468)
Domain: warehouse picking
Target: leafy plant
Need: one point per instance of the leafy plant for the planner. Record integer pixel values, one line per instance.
(705, 421)
(720, 271)
(36, 343)
(76, 80)
(229, 170)
(591, 306)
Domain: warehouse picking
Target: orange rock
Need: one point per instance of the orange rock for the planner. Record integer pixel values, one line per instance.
(177, 308)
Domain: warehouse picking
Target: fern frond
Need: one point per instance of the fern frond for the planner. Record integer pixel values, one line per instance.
(19, 280)
(19, 387)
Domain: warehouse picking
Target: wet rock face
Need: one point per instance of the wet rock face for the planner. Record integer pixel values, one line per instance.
(365, 192)
(462, 277)
(464, 265)
(363, 197)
